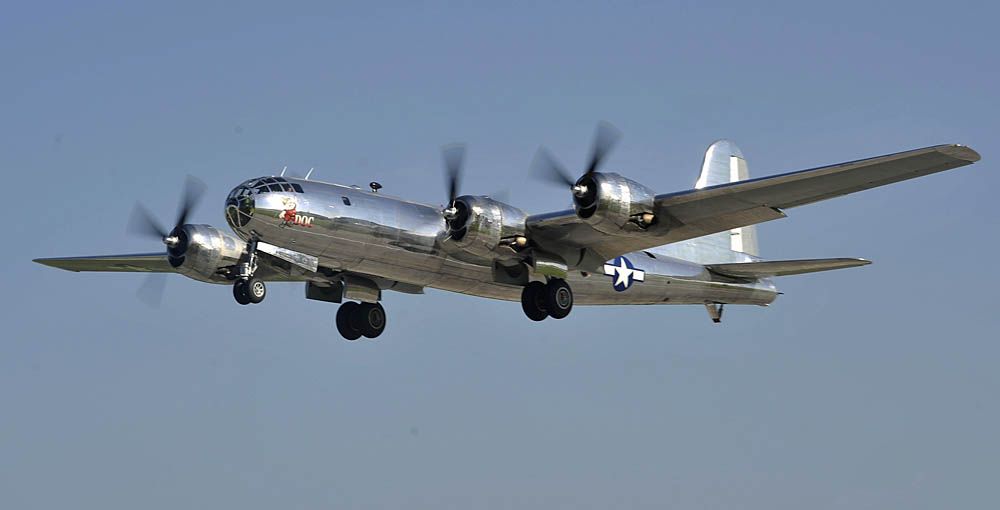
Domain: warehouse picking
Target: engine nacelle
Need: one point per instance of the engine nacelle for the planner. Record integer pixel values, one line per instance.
(202, 251)
(484, 228)
(611, 203)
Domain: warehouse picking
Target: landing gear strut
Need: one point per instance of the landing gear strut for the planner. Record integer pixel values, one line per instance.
(553, 299)
(248, 288)
(355, 320)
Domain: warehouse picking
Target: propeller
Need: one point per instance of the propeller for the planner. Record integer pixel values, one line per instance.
(144, 224)
(454, 157)
(549, 169)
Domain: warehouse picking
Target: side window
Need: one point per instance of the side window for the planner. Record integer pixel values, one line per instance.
(297, 188)
(347, 201)
(261, 189)
(274, 187)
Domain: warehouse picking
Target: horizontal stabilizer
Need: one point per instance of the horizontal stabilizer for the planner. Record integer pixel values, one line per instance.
(139, 263)
(783, 267)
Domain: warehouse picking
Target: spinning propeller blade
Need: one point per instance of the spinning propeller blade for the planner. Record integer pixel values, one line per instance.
(547, 168)
(151, 290)
(454, 156)
(193, 191)
(605, 139)
(142, 223)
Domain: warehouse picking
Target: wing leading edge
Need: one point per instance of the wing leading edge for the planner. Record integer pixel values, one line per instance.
(699, 212)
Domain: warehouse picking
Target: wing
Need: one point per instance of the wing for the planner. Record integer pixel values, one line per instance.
(695, 213)
(754, 270)
(269, 268)
(135, 263)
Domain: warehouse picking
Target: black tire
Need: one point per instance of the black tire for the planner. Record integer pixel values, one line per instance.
(239, 292)
(558, 298)
(345, 318)
(255, 289)
(370, 317)
(533, 301)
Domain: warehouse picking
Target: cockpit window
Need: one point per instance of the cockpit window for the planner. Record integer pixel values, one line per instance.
(266, 185)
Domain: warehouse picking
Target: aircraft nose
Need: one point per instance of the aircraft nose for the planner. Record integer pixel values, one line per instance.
(239, 207)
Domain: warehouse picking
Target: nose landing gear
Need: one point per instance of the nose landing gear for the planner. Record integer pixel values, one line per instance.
(355, 320)
(553, 299)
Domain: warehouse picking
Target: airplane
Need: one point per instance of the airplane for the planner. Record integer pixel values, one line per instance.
(620, 244)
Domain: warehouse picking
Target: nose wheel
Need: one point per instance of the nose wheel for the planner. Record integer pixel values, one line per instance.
(553, 299)
(355, 320)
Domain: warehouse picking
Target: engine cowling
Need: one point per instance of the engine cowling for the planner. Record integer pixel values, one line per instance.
(611, 203)
(484, 228)
(201, 251)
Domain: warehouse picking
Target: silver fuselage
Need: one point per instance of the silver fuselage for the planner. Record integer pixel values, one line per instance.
(358, 231)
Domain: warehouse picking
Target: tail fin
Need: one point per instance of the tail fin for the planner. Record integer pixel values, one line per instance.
(723, 164)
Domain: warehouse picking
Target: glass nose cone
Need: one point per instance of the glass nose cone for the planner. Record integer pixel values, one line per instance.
(239, 207)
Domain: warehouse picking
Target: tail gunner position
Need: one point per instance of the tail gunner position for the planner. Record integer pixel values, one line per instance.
(621, 243)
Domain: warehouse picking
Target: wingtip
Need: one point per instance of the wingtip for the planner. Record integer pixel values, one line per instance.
(963, 152)
(45, 262)
(52, 262)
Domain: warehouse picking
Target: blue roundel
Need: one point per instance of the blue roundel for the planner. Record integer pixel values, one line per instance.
(623, 273)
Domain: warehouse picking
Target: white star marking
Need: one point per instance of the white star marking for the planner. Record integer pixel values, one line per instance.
(622, 272)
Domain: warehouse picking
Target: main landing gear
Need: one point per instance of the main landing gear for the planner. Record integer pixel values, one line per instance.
(248, 288)
(553, 299)
(355, 320)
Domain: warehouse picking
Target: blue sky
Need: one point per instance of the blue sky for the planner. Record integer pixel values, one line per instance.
(868, 387)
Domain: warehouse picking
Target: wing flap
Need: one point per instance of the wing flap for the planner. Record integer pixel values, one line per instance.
(134, 263)
(783, 267)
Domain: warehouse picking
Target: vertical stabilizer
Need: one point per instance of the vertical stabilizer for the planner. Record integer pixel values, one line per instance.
(723, 164)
